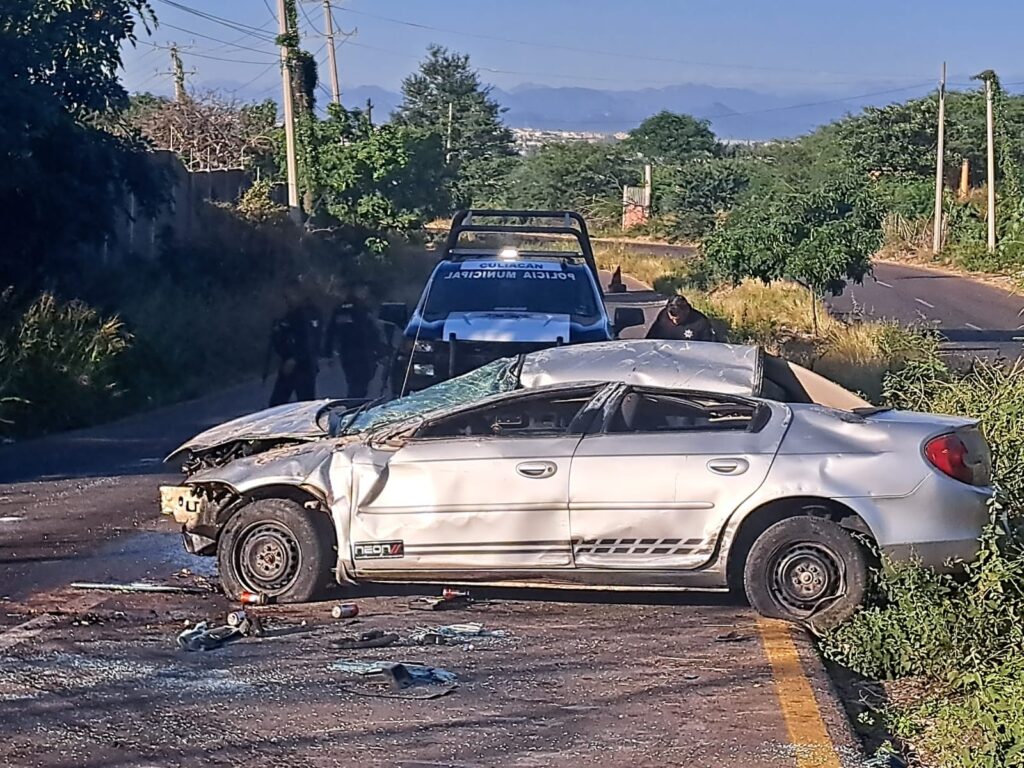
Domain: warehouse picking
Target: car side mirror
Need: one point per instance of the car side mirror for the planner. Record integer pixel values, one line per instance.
(628, 317)
(395, 313)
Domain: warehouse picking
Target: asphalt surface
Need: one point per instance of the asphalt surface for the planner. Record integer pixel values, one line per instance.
(92, 678)
(969, 314)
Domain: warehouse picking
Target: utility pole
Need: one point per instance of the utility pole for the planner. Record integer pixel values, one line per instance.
(940, 158)
(178, 70)
(369, 112)
(294, 210)
(990, 128)
(332, 53)
(448, 141)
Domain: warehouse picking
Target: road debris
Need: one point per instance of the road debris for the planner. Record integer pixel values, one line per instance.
(345, 611)
(450, 599)
(455, 634)
(398, 677)
(732, 637)
(138, 586)
(202, 638)
(254, 598)
(375, 638)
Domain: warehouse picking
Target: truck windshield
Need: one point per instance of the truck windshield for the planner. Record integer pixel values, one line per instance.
(557, 290)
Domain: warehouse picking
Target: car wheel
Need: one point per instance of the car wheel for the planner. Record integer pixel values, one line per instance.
(807, 570)
(278, 548)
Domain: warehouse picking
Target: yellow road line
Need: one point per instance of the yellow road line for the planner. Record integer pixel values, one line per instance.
(807, 731)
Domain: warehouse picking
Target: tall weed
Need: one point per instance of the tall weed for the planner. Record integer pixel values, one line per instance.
(58, 364)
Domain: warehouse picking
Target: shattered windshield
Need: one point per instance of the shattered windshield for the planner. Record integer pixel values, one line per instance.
(492, 379)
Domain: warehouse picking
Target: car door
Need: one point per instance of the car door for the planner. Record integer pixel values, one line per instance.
(484, 489)
(653, 487)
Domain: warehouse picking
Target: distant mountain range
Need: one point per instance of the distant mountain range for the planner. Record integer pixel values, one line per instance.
(735, 113)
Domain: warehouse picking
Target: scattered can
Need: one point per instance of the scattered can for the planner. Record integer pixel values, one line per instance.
(454, 594)
(237, 618)
(254, 598)
(345, 611)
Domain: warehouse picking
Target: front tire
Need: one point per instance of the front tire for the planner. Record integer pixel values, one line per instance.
(806, 570)
(278, 548)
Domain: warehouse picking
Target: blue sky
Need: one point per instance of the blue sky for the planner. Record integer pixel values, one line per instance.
(787, 46)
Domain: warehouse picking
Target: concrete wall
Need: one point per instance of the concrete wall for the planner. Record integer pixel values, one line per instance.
(140, 235)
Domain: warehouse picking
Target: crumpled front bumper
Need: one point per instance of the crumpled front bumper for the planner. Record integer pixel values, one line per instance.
(196, 515)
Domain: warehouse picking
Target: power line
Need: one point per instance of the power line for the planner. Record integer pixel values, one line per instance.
(309, 20)
(207, 56)
(548, 46)
(260, 76)
(229, 23)
(214, 39)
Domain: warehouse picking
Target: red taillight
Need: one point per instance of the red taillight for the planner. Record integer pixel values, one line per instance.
(947, 453)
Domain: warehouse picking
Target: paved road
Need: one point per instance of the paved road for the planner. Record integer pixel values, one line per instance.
(90, 679)
(971, 315)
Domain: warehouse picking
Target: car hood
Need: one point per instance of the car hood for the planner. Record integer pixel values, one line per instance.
(293, 421)
(507, 326)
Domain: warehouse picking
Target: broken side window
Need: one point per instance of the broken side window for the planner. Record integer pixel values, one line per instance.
(645, 411)
(534, 415)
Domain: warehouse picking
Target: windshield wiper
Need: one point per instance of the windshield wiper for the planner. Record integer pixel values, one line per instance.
(351, 420)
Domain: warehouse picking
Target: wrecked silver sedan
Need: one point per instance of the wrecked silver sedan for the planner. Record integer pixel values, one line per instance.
(618, 465)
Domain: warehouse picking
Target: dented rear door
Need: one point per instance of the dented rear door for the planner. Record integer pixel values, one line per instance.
(642, 497)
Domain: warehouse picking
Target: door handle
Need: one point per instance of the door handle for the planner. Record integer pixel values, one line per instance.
(536, 470)
(728, 466)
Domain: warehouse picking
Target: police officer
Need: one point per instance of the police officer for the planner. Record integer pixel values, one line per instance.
(678, 321)
(353, 335)
(295, 340)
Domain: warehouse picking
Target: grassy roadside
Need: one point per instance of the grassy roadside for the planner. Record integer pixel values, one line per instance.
(947, 653)
(196, 321)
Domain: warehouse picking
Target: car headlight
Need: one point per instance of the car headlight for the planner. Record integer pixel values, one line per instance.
(423, 369)
(423, 346)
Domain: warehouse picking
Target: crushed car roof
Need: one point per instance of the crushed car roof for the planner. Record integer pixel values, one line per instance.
(731, 369)
(704, 366)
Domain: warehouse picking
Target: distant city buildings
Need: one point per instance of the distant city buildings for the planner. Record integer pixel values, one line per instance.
(529, 140)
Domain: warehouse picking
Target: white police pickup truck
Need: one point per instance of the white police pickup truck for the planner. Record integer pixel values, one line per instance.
(484, 302)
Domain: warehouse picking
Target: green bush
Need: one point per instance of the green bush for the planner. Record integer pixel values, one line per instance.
(912, 197)
(991, 393)
(57, 364)
(957, 641)
(962, 640)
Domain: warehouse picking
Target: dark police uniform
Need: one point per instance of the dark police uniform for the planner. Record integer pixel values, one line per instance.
(295, 339)
(352, 333)
(696, 327)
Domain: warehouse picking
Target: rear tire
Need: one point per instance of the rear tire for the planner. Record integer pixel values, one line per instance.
(278, 548)
(806, 570)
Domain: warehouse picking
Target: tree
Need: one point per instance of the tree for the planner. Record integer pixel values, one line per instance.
(389, 177)
(575, 175)
(208, 132)
(820, 239)
(480, 146)
(62, 176)
(668, 137)
(693, 194)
